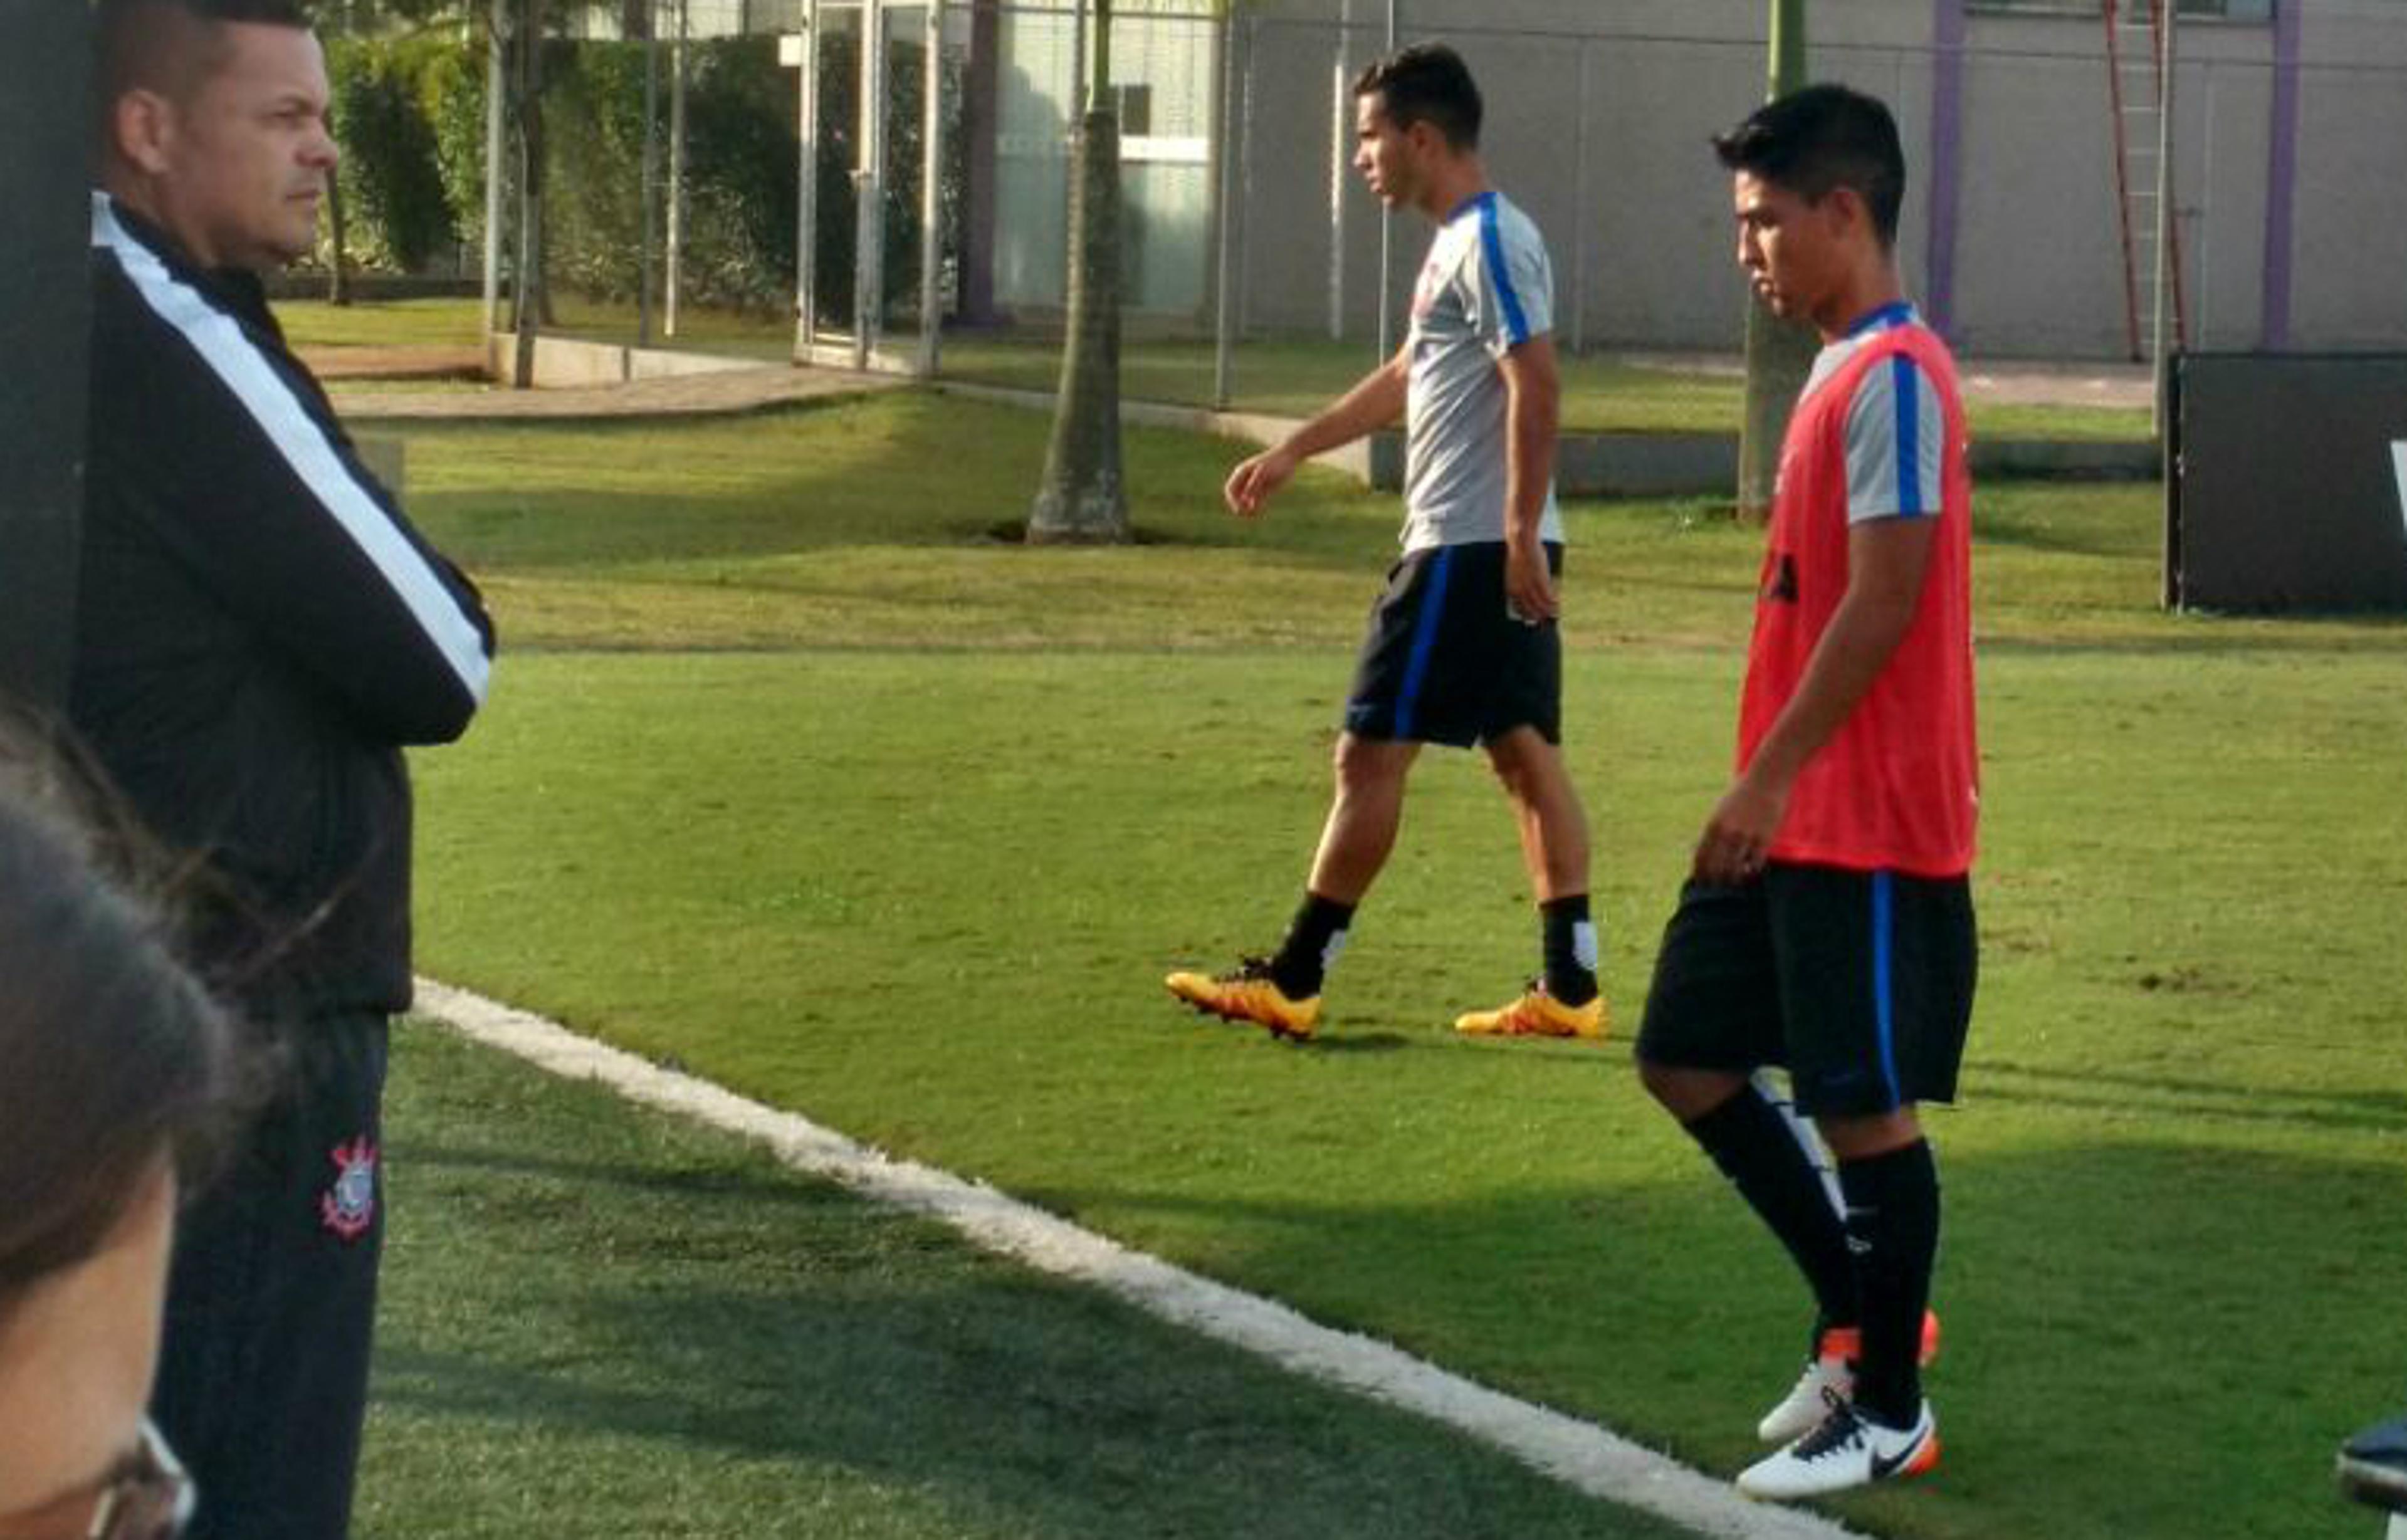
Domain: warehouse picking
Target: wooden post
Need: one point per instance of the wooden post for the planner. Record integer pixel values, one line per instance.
(45, 309)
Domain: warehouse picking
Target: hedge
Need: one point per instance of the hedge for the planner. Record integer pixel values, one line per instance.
(410, 118)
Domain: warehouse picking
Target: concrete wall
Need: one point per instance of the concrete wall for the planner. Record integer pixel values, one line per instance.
(1599, 115)
(2351, 253)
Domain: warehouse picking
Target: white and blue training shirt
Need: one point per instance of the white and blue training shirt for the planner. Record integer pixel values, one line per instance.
(1897, 431)
(1486, 289)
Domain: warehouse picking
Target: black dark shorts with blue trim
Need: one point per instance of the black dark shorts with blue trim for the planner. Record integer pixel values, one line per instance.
(1446, 661)
(1861, 983)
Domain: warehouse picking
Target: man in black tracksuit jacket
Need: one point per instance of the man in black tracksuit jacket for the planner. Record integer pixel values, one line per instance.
(259, 630)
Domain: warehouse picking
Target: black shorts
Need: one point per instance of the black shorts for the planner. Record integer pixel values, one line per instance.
(1445, 662)
(1860, 982)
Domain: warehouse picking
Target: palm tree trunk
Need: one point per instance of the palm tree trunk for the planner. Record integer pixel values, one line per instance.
(1779, 353)
(527, 286)
(1082, 498)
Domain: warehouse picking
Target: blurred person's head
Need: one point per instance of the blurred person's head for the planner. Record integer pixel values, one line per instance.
(1819, 179)
(213, 124)
(1416, 116)
(116, 1073)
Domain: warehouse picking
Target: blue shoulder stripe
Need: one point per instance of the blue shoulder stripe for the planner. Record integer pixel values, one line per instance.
(1517, 325)
(1906, 378)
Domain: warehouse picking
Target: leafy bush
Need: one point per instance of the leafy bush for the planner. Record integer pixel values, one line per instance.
(410, 114)
(394, 187)
(451, 97)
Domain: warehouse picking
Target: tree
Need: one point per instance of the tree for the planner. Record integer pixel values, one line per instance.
(1082, 498)
(1779, 353)
(358, 19)
(529, 301)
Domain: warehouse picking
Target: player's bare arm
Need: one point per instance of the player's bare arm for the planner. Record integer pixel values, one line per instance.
(1887, 559)
(1533, 416)
(1376, 400)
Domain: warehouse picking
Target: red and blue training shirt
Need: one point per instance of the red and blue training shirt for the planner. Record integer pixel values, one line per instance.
(1878, 433)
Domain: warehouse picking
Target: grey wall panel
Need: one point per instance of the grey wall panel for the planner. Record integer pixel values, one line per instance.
(2349, 288)
(2040, 256)
(2227, 123)
(2039, 249)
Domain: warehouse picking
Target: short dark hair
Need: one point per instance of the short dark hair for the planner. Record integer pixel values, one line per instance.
(1822, 137)
(113, 1059)
(171, 46)
(1427, 83)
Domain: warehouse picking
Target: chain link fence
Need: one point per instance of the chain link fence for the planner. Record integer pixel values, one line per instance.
(1259, 274)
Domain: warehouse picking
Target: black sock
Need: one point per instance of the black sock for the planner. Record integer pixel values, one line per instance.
(1758, 1151)
(1570, 943)
(1314, 939)
(1893, 1223)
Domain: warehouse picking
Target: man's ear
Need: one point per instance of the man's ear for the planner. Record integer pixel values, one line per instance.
(1846, 211)
(142, 130)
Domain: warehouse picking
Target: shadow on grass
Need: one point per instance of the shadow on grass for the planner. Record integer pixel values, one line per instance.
(899, 471)
(2371, 1110)
(571, 1274)
(2227, 1289)
(1361, 1042)
(1013, 1407)
(661, 1332)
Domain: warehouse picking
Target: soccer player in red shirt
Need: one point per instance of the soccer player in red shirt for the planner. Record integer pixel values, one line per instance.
(1827, 925)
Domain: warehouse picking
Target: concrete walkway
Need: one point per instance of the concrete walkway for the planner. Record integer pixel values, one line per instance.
(607, 383)
(753, 388)
(724, 394)
(2001, 381)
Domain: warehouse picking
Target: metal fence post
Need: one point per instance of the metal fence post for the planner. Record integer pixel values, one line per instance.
(806, 192)
(869, 230)
(1340, 158)
(2167, 58)
(1579, 214)
(495, 170)
(1224, 216)
(1388, 242)
(648, 278)
(932, 190)
(1246, 164)
(676, 173)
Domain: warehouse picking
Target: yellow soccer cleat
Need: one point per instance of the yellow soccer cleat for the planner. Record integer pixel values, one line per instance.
(1537, 1014)
(1247, 994)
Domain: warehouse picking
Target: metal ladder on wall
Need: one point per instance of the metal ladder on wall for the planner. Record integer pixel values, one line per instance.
(2135, 78)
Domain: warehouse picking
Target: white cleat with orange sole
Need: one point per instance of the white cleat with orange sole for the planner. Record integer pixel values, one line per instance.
(1848, 1451)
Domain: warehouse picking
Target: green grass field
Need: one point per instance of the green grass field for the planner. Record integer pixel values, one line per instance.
(1281, 376)
(796, 776)
(603, 1322)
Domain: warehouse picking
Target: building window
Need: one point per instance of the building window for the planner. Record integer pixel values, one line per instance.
(1135, 103)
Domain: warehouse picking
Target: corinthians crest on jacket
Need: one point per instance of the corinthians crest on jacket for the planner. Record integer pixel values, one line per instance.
(349, 1206)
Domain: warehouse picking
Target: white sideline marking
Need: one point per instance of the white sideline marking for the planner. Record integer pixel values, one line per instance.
(1579, 1454)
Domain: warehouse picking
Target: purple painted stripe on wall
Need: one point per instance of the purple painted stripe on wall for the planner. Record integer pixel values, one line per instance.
(1947, 149)
(2281, 176)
